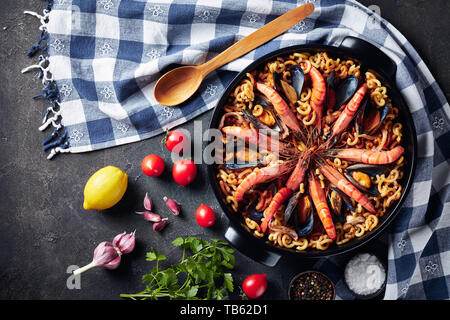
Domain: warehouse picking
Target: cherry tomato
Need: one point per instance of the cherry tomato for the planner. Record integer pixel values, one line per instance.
(255, 285)
(184, 171)
(177, 141)
(205, 216)
(152, 165)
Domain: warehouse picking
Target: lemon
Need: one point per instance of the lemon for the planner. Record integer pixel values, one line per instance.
(105, 188)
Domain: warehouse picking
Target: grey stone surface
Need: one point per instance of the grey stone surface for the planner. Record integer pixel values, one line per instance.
(43, 227)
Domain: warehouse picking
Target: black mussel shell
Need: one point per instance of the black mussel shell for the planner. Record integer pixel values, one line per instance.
(298, 79)
(384, 112)
(289, 92)
(306, 227)
(374, 117)
(292, 204)
(254, 214)
(373, 190)
(330, 94)
(258, 124)
(302, 227)
(359, 118)
(304, 220)
(276, 81)
(262, 101)
(237, 166)
(335, 201)
(345, 198)
(279, 126)
(345, 90)
(371, 171)
(277, 85)
(330, 79)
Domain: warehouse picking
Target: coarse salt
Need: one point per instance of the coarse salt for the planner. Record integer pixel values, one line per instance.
(364, 274)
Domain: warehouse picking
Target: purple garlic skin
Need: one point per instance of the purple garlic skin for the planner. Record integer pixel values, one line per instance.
(153, 217)
(158, 226)
(150, 216)
(147, 202)
(124, 242)
(172, 205)
(107, 256)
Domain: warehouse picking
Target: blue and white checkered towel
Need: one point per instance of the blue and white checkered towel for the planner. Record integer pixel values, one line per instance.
(105, 56)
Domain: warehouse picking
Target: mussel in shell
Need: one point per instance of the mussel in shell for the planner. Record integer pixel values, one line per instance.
(331, 94)
(275, 129)
(291, 205)
(258, 124)
(277, 84)
(369, 118)
(254, 214)
(299, 212)
(279, 126)
(244, 165)
(337, 200)
(262, 101)
(359, 117)
(374, 118)
(360, 175)
(304, 220)
(298, 79)
(289, 92)
(345, 90)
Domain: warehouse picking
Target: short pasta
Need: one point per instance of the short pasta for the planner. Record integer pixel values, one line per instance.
(350, 163)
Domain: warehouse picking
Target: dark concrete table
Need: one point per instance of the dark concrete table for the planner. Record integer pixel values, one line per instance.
(43, 227)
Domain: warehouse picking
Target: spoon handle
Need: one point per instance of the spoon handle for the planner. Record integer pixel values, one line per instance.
(259, 37)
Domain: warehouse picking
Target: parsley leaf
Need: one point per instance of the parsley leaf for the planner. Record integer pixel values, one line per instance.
(155, 255)
(199, 275)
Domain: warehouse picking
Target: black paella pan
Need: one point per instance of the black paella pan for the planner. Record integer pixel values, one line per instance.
(370, 58)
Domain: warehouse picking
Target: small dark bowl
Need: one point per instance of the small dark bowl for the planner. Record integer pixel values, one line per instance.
(372, 295)
(295, 278)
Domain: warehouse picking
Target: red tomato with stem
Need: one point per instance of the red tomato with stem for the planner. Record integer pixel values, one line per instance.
(184, 171)
(177, 141)
(152, 165)
(205, 216)
(255, 285)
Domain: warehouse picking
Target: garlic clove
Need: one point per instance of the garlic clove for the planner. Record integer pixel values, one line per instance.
(105, 256)
(158, 226)
(147, 202)
(105, 253)
(172, 205)
(125, 242)
(150, 216)
(153, 217)
(113, 264)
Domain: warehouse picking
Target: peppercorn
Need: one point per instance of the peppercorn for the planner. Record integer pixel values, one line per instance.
(312, 285)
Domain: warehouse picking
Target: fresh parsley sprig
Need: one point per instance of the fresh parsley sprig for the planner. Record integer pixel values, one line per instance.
(199, 275)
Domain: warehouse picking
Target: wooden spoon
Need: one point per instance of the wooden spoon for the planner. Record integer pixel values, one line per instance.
(179, 84)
